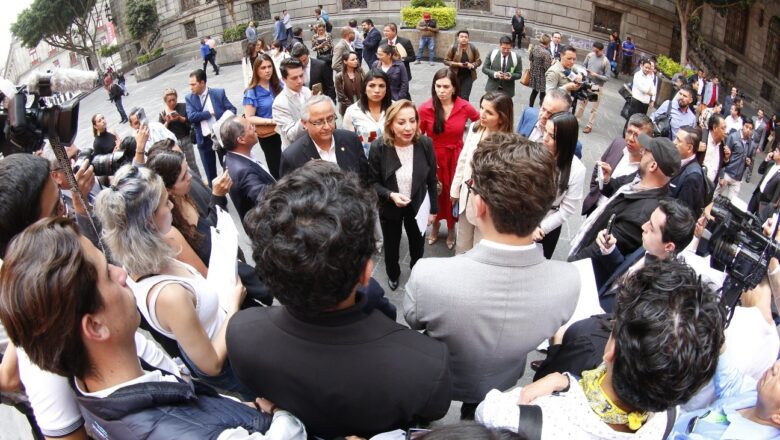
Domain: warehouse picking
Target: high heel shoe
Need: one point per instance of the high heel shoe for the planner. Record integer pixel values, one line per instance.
(450, 242)
(434, 237)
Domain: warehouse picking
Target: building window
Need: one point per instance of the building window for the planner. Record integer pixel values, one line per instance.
(606, 20)
(354, 4)
(52, 50)
(730, 68)
(772, 51)
(190, 30)
(99, 21)
(34, 57)
(261, 11)
(736, 28)
(74, 59)
(475, 5)
(188, 4)
(56, 63)
(766, 91)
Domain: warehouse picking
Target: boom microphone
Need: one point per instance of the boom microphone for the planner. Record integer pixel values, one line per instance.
(61, 81)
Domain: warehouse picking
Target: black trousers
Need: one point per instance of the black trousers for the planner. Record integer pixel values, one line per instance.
(517, 39)
(272, 148)
(534, 93)
(211, 58)
(465, 85)
(391, 229)
(635, 107)
(550, 241)
(120, 108)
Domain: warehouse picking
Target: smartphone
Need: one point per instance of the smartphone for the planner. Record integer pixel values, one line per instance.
(174, 113)
(610, 224)
(600, 178)
(316, 89)
(142, 119)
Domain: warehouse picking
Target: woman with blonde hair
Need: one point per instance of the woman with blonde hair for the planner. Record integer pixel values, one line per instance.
(402, 169)
(496, 111)
(176, 301)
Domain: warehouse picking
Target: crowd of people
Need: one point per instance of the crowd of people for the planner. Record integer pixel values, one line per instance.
(300, 341)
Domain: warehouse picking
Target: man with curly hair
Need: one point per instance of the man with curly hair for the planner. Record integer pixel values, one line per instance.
(341, 369)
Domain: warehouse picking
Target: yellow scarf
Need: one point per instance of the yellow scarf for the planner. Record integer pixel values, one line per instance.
(601, 404)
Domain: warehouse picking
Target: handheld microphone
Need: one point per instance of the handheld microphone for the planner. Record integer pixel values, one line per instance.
(61, 81)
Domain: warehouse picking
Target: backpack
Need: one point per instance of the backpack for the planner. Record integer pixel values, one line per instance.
(663, 123)
(513, 54)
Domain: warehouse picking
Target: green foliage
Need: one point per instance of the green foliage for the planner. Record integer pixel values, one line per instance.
(107, 51)
(141, 18)
(53, 20)
(236, 33)
(148, 58)
(444, 16)
(427, 3)
(670, 67)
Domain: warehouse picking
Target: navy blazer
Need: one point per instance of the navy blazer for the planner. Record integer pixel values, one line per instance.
(319, 72)
(349, 154)
(606, 293)
(383, 162)
(250, 181)
(370, 45)
(528, 121)
(195, 113)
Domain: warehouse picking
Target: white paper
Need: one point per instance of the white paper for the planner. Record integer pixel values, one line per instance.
(223, 269)
(422, 214)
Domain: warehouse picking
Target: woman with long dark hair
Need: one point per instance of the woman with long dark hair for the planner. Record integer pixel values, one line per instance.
(388, 61)
(366, 117)
(443, 118)
(496, 112)
(540, 59)
(560, 139)
(258, 103)
(349, 82)
(402, 167)
(106, 140)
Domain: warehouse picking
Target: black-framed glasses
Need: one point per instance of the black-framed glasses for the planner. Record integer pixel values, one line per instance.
(470, 185)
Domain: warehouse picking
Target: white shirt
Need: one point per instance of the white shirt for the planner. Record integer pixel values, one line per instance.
(712, 158)
(642, 85)
(307, 75)
(158, 132)
(206, 124)
(623, 168)
(257, 161)
(567, 202)
(733, 123)
(769, 174)
(328, 155)
(287, 22)
(508, 247)
(536, 134)
(403, 175)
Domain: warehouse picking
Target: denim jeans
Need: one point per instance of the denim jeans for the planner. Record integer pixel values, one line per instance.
(226, 380)
(431, 42)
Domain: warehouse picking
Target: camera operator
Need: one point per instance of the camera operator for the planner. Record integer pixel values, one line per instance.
(597, 66)
(58, 174)
(561, 75)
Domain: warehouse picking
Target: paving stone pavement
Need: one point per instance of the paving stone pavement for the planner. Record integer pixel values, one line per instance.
(148, 95)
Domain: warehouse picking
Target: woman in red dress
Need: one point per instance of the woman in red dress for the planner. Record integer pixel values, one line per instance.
(443, 119)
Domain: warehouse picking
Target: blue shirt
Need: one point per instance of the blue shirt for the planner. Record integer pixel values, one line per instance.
(678, 119)
(261, 99)
(204, 50)
(628, 49)
(735, 392)
(280, 33)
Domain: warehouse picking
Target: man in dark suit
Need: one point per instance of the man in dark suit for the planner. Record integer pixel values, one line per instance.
(323, 141)
(371, 39)
(688, 185)
(502, 67)
(250, 177)
(402, 45)
(314, 71)
(532, 122)
(339, 368)
(668, 231)
(767, 191)
(205, 106)
(555, 46)
(622, 156)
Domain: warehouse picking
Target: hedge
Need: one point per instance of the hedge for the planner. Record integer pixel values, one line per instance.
(148, 58)
(236, 33)
(444, 16)
(427, 3)
(670, 67)
(107, 51)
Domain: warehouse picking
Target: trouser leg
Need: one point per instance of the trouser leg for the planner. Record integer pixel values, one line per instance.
(208, 158)
(272, 148)
(550, 241)
(391, 230)
(416, 240)
(465, 87)
(120, 108)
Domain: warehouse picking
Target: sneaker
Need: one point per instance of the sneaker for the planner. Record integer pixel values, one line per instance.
(392, 284)
(418, 62)
(433, 64)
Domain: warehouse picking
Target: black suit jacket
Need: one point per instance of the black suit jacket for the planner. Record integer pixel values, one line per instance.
(250, 180)
(383, 162)
(319, 72)
(770, 195)
(349, 372)
(410, 53)
(612, 156)
(349, 154)
(688, 187)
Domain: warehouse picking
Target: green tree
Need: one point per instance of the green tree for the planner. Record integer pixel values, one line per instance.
(67, 24)
(688, 9)
(142, 21)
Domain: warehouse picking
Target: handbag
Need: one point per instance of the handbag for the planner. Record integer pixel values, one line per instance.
(625, 92)
(626, 111)
(526, 78)
(663, 123)
(265, 130)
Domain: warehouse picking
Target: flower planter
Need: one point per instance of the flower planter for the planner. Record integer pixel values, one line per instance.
(153, 68)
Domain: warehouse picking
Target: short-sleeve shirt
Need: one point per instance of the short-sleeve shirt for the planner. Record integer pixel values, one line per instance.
(261, 99)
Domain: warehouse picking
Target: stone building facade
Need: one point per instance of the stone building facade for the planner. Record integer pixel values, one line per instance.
(742, 47)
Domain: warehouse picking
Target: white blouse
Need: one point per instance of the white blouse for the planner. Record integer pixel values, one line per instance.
(403, 175)
(363, 124)
(569, 201)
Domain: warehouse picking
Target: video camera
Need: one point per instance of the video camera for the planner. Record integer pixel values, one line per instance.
(736, 241)
(106, 164)
(24, 125)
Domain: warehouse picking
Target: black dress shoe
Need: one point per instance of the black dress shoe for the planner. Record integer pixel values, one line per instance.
(393, 284)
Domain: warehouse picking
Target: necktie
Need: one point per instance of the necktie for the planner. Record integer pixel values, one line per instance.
(503, 64)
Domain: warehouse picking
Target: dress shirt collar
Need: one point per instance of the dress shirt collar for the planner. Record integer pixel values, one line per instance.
(507, 247)
(338, 317)
(687, 161)
(205, 93)
(328, 155)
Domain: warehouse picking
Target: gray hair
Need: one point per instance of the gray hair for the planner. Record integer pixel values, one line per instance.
(314, 100)
(560, 95)
(126, 212)
(134, 112)
(230, 131)
(346, 30)
(642, 122)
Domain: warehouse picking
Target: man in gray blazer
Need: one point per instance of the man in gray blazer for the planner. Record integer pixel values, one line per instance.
(288, 104)
(497, 302)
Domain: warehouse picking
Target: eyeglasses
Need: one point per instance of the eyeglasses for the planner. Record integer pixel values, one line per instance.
(330, 120)
(470, 185)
